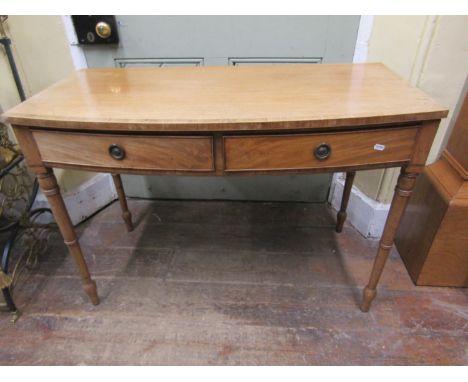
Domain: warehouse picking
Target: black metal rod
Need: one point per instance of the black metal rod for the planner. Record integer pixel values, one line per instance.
(6, 42)
(6, 170)
(7, 249)
(9, 300)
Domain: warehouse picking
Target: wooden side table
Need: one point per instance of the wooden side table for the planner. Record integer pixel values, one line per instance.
(226, 121)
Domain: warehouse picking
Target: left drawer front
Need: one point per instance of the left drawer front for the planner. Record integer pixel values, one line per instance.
(157, 153)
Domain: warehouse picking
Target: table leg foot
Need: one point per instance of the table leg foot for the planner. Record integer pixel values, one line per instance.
(367, 296)
(90, 288)
(340, 219)
(341, 216)
(126, 215)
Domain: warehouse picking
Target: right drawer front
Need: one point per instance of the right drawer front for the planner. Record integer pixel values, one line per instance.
(298, 151)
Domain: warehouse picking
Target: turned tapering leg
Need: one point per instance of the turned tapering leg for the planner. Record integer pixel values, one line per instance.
(50, 188)
(126, 215)
(341, 216)
(403, 190)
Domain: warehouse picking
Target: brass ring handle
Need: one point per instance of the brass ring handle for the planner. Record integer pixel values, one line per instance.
(322, 151)
(116, 152)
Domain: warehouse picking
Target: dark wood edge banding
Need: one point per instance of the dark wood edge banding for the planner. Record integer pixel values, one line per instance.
(223, 126)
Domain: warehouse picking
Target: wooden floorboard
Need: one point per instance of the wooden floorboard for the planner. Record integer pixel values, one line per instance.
(228, 283)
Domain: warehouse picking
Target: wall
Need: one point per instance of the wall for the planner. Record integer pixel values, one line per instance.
(42, 55)
(430, 52)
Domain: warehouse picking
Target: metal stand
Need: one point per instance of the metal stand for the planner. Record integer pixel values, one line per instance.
(14, 228)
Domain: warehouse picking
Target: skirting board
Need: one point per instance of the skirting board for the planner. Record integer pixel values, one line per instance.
(86, 199)
(364, 213)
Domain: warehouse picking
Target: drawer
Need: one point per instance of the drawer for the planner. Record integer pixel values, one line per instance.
(309, 151)
(158, 153)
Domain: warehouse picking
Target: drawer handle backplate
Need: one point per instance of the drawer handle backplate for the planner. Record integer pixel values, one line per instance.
(116, 152)
(322, 151)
